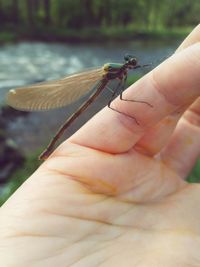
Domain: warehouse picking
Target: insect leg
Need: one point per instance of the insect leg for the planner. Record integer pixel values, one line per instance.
(114, 93)
(122, 85)
(137, 101)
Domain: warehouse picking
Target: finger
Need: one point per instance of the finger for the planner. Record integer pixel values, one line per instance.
(184, 147)
(166, 88)
(158, 136)
(186, 139)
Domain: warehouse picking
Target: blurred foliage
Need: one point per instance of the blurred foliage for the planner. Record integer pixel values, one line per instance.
(194, 177)
(53, 18)
(30, 165)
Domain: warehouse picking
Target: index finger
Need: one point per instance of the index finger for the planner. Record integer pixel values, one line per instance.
(166, 88)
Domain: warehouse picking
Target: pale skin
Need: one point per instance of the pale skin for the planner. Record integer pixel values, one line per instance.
(114, 194)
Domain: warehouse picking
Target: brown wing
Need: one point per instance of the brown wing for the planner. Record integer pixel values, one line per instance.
(53, 94)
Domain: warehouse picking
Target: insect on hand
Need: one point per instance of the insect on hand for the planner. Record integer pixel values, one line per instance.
(59, 93)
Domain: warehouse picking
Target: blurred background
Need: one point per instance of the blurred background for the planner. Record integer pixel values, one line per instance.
(46, 39)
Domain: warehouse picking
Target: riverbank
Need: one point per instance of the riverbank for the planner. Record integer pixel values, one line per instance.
(103, 34)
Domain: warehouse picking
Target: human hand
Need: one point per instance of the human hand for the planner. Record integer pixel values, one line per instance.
(114, 193)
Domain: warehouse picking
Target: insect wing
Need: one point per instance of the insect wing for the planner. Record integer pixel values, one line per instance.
(53, 94)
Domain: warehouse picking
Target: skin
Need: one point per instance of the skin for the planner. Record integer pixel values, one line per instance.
(114, 194)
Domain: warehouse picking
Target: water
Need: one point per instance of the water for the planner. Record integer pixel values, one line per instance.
(26, 63)
(31, 62)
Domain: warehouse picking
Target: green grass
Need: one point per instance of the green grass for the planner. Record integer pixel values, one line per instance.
(92, 34)
(7, 36)
(131, 31)
(133, 78)
(194, 176)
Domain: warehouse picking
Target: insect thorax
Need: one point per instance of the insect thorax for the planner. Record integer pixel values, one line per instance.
(112, 67)
(113, 70)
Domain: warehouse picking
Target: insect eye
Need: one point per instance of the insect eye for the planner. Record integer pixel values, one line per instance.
(128, 57)
(133, 61)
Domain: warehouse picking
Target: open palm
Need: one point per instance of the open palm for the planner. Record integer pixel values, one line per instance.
(114, 193)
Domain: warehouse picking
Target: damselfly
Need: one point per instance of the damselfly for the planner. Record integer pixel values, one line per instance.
(55, 94)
